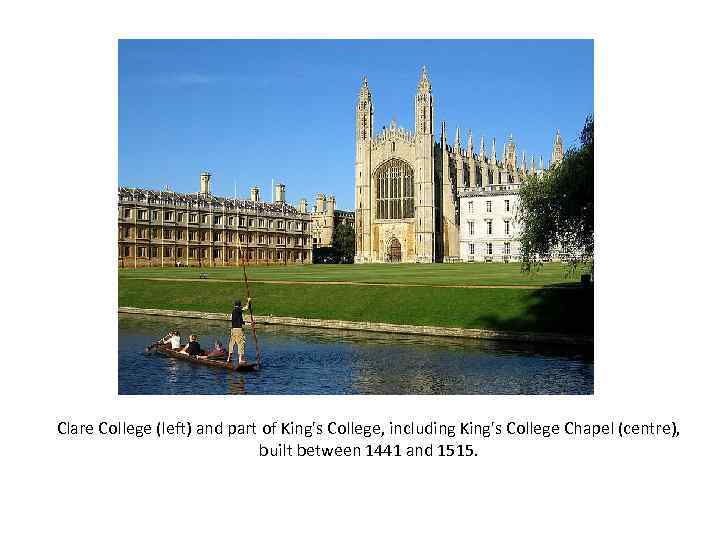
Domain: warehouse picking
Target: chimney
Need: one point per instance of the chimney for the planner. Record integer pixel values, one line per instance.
(330, 205)
(279, 193)
(205, 183)
(255, 194)
(320, 202)
(302, 207)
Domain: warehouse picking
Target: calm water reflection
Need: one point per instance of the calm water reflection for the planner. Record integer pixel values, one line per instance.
(308, 361)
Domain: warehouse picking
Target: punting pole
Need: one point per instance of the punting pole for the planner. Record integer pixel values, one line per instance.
(247, 290)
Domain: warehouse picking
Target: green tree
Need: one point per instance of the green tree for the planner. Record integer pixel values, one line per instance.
(343, 243)
(557, 208)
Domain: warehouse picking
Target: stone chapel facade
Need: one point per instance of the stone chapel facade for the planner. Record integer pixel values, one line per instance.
(407, 185)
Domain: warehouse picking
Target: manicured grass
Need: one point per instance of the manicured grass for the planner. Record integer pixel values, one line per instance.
(424, 274)
(567, 311)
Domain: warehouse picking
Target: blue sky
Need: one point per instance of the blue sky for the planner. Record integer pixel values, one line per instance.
(252, 110)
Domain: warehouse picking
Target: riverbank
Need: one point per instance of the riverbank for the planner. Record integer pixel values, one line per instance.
(544, 310)
(473, 333)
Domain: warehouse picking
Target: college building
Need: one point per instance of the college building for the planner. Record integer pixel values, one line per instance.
(165, 228)
(489, 224)
(325, 218)
(410, 189)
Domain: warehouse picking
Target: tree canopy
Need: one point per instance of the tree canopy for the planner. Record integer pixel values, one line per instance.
(343, 242)
(557, 208)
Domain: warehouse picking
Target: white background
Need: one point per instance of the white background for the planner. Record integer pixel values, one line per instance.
(656, 302)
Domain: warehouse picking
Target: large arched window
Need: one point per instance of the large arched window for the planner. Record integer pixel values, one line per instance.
(394, 190)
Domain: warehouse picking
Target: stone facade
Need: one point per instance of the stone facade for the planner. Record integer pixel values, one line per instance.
(408, 186)
(325, 217)
(489, 222)
(164, 228)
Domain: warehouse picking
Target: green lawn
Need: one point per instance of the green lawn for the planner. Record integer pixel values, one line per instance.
(563, 310)
(423, 274)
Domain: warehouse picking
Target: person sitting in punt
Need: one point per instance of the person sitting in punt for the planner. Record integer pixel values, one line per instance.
(218, 350)
(193, 347)
(173, 338)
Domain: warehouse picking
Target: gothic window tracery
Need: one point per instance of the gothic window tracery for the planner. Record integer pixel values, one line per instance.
(394, 190)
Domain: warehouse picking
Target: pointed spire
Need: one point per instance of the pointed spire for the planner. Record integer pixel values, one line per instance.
(457, 138)
(493, 157)
(364, 88)
(541, 163)
(364, 94)
(482, 147)
(557, 152)
(470, 144)
(524, 164)
(443, 134)
(532, 164)
(424, 84)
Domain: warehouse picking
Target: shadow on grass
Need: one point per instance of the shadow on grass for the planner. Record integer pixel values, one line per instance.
(550, 309)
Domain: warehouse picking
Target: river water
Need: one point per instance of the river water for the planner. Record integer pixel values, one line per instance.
(314, 361)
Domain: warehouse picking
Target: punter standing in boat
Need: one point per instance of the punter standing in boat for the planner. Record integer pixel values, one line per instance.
(237, 336)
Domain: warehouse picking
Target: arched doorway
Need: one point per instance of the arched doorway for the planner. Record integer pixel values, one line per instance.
(395, 252)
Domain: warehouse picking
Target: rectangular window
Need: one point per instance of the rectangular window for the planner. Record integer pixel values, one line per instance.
(242, 238)
(153, 252)
(167, 252)
(216, 253)
(143, 214)
(231, 253)
(507, 227)
(217, 220)
(470, 207)
(193, 252)
(489, 226)
(128, 213)
(204, 218)
(155, 215)
(193, 218)
(231, 220)
(180, 216)
(168, 216)
(488, 206)
(126, 251)
(507, 205)
(242, 221)
(251, 222)
(261, 239)
(261, 223)
(489, 249)
(507, 248)
(216, 237)
(180, 252)
(203, 253)
(471, 227)
(142, 252)
(153, 232)
(472, 249)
